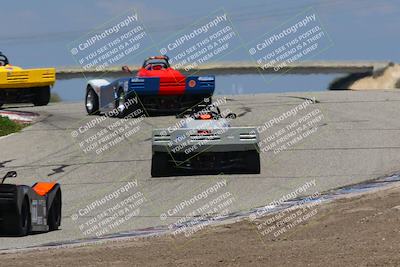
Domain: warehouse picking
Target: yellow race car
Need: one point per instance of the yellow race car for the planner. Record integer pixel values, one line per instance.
(18, 85)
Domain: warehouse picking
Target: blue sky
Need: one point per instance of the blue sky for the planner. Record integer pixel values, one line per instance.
(36, 33)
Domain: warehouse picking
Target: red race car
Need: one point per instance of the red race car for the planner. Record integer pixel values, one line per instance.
(158, 87)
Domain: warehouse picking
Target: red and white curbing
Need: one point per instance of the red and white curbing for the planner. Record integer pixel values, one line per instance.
(19, 116)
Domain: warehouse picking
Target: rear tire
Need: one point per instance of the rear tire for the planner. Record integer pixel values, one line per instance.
(42, 96)
(159, 165)
(23, 225)
(54, 218)
(91, 102)
(253, 162)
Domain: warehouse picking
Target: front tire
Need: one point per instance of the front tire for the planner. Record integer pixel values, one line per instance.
(91, 102)
(42, 96)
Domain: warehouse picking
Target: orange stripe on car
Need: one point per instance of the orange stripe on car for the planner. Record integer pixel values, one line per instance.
(43, 188)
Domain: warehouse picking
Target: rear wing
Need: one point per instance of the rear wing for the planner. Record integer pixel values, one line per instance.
(232, 133)
(198, 140)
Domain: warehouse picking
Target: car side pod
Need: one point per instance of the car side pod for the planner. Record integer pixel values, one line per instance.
(25, 209)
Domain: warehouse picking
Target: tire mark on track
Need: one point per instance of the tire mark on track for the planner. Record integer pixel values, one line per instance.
(58, 170)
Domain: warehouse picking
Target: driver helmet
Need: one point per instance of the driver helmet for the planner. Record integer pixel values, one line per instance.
(3, 59)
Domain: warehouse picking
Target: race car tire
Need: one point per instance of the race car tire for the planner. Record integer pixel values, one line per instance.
(42, 96)
(253, 162)
(54, 218)
(159, 165)
(23, 224)
(91, 102)
(120, 103)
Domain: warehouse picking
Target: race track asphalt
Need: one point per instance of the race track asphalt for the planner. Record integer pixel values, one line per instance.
(356, 140)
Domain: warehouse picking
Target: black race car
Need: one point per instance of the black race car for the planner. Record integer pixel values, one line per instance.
(25, 209)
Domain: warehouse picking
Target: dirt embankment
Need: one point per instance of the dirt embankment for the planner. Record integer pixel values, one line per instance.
(386, 78)
(358, 231)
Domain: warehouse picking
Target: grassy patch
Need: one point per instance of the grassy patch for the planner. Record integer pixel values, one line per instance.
(8, 126)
